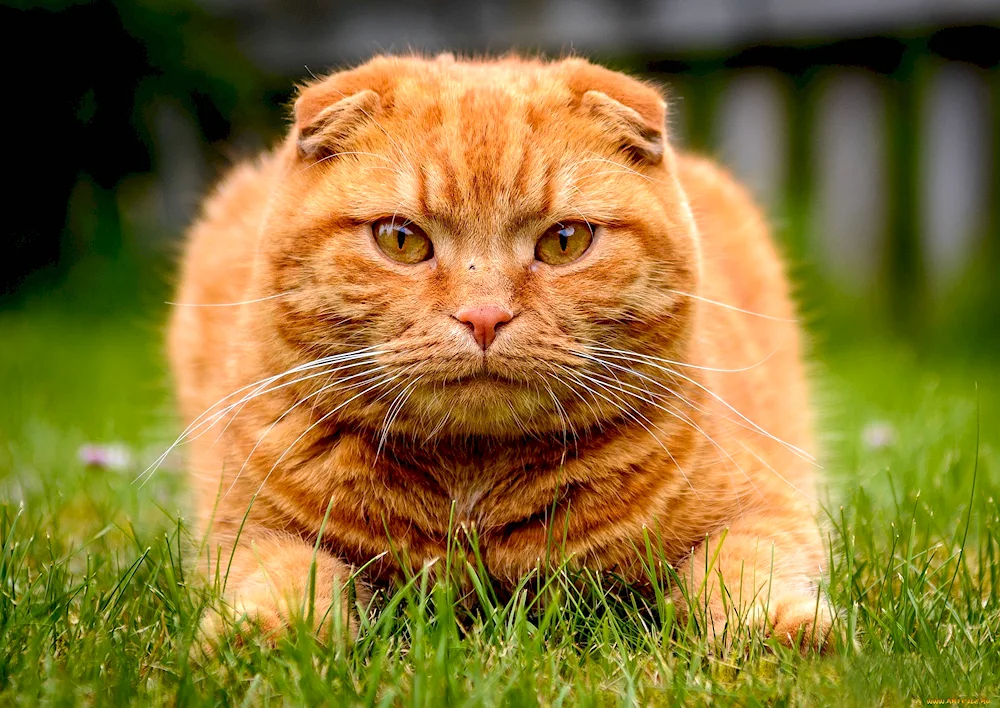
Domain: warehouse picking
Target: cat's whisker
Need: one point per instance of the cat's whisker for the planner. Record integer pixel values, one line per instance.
(323, 389)
(625, 352)
(401, 405)
(633, 413)
(643, 395)
(333, 411)
(798, 452)
(674, 395)
(264, 389)
(198, 422)
(802, 454)
(776, 473)
(597, 418)
(563, 421)
(263, 383)
(390, 415)
(440, 425)
(364, 361)
(343, 154)
(669, 409)
(210, 418)
(536, 382)
(619, 165)
(590, 175)
(230, 304)
(734, 308)
(388, 135)
(638, 374)
(515, 417)
(313, 395)
(567, 424)
(574, 207)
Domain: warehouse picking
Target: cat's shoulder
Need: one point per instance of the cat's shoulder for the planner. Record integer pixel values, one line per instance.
(706, 180)
(723, 207)
(242, 188)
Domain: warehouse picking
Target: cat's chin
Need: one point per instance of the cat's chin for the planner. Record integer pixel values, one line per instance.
(486, 406)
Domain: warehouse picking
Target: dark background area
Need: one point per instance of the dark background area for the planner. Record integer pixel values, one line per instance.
(871, 131)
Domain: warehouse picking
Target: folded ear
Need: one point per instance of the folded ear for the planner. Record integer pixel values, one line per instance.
(330, 110)
(323, 131)
(633, 111)
(638, 138)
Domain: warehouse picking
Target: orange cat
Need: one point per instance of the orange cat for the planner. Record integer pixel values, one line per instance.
(489, 289)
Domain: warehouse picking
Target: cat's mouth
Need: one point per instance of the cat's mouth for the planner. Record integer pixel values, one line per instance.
(462, 369)
(483, 379)
(481, 386)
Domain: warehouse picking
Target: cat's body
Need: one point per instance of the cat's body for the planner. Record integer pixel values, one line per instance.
(651, 386)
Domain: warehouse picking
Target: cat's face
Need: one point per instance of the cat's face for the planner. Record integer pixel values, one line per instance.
(477, 226)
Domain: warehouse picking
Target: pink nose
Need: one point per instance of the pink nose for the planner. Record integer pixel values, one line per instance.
(484, 321)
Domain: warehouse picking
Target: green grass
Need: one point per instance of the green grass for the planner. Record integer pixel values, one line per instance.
(99, 605)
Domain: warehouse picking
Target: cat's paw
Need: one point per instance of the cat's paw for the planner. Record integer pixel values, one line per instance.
(257, 612)
(797, 619)
(801, 621)
(245, 617)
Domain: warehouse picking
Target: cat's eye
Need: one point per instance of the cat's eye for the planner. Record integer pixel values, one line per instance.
(564, 243)
(402, 240)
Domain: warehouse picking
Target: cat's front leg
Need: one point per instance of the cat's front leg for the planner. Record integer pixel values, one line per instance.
(277, 580)
(760, 574)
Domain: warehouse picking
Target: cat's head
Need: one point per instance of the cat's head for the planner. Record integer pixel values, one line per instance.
(471, 228)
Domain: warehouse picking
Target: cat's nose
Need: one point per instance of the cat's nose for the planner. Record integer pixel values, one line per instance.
(484, 321)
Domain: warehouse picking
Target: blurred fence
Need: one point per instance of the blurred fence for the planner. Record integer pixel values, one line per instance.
(877, 157)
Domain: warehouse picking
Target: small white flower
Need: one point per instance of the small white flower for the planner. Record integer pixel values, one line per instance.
(115, 456)
(878, 435)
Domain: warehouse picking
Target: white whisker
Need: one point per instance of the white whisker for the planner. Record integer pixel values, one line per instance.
(802, 454)
(210, 418)
(566, 384)
(363, 361)
(390, 415)
(567, 425)
(732, 307)
(682, 364)
(320, 391)
(679, 415)
(620, 167)
(229, 304)
(631, 412)
(776, 473)
(342, 154)
(312, 427)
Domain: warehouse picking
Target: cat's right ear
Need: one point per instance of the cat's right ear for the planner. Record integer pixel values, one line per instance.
(632, 111)
(323, 128)
(640, 137)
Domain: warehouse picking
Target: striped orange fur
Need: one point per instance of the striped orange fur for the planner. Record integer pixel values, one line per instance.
(653, 386)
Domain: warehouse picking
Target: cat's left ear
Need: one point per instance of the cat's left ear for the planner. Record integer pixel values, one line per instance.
(330, 111)
(323, 132)
(641, 137)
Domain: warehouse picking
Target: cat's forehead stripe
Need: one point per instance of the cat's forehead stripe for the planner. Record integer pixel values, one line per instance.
(484, 149)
